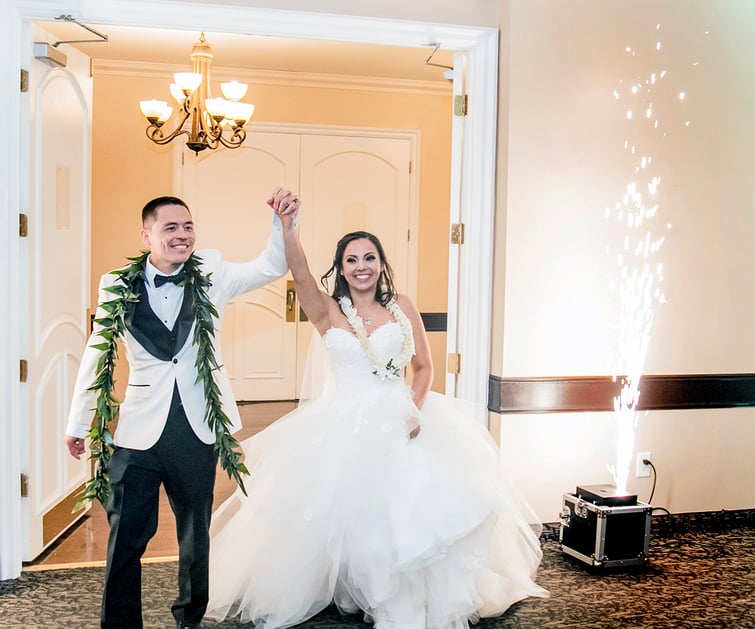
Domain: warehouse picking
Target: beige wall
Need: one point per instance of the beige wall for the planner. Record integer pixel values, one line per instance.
(128, 169)
(562, 162)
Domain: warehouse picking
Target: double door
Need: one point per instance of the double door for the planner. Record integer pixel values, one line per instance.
(347, 181)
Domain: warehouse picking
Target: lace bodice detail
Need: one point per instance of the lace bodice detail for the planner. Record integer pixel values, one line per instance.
(350, 362)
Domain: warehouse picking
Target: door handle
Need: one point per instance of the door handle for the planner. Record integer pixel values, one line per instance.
(290, 302)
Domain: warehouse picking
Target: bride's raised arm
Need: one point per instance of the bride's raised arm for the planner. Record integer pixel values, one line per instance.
(318, 305)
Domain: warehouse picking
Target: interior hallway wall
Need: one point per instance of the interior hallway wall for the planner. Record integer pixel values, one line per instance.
(128, 169)
(562, 162)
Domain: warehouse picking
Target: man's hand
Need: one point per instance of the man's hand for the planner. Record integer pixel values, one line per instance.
(284, 202)
(76, 446)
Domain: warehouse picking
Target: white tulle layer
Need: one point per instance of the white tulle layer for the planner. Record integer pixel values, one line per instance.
(344, 507)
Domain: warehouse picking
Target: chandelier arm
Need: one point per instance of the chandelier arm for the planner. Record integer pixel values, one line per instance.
(235, 140)
(199, 138)
(155, 134)
(214, 130)
(211, 141)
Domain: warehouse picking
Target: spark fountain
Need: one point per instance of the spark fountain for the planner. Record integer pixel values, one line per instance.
(640, 281)
(603, 525)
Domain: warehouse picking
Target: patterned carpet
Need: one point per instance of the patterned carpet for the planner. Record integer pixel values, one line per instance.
(698, 576)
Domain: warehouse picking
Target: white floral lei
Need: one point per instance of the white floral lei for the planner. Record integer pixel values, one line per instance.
(392, 369)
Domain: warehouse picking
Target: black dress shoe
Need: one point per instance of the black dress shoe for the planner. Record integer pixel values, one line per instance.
(182, 624)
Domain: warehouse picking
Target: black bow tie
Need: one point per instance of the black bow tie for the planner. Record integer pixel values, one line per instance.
(165, 279)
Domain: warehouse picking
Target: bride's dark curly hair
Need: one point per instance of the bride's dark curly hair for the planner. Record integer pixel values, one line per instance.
(385, 291)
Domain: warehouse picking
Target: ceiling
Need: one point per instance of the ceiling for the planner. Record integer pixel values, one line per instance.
(255, 52)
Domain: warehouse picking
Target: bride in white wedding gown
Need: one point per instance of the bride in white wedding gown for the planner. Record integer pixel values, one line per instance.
(375, 495)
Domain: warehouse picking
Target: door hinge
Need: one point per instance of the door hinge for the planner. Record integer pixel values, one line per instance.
(24, 485)
(453, 363)
(461, 104)
(410, 168)
(23, 225)
(23, 370)
(24, 80)
(457, 233)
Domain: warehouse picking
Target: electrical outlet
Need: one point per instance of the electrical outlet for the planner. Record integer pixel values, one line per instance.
(642, 470)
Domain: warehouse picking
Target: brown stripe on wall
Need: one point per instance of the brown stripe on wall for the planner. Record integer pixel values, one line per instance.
(597, 393)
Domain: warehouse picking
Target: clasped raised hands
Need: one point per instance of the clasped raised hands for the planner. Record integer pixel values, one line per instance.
(285, 204)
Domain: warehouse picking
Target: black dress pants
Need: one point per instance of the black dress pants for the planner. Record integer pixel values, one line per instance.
(186, 467)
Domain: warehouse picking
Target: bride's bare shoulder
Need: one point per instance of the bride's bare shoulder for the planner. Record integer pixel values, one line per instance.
(406, 304)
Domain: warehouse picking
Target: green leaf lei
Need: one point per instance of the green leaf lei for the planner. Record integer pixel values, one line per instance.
(112, 327)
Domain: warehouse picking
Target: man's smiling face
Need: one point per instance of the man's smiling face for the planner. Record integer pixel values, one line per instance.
(170, 237)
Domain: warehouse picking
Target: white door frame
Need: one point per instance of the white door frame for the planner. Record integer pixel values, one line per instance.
(476, 181)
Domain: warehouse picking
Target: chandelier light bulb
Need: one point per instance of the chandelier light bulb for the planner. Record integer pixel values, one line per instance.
(218, 108)
(233, 90)
(165, 115)
(188, 82)
(153, 109)
(177, 93)
(240, 113)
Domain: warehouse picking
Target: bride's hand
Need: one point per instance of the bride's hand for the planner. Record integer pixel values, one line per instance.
(285, 204)
(413, 425)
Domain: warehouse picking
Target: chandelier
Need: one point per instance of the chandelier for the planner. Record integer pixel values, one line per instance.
(206, 122)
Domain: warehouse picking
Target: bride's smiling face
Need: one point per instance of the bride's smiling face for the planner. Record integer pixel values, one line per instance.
(361, 265)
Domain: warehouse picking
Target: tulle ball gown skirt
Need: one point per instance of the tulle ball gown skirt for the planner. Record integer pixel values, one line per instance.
(344, 508)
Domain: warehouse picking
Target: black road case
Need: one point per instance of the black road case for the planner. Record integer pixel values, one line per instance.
(604, 529)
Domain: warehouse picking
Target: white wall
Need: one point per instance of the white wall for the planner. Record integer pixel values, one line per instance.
(469, 12)
(563, 161)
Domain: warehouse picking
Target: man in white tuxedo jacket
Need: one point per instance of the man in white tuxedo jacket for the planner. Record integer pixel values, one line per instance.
(161, 437)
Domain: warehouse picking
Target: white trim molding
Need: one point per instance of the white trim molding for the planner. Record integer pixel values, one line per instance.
(14, 200)
(279, 78)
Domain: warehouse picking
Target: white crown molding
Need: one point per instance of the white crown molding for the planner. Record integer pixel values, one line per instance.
(279, 78)
(213, 16)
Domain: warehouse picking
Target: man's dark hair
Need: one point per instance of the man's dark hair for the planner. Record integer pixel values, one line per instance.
(150, 210)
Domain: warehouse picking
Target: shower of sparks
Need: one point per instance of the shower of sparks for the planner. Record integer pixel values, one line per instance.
(640, 272)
